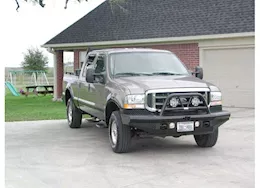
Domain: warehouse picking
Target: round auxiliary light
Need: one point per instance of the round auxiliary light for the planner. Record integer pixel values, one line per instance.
(174, 102)
(195, 101)
(172, 125)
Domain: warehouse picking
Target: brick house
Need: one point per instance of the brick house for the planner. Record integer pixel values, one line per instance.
(215, 34)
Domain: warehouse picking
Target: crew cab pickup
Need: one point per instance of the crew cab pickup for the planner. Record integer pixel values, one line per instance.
(144, 91)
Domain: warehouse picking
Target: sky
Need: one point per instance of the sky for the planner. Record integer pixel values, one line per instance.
(32, 26)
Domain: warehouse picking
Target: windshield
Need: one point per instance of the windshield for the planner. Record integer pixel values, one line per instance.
(146, 64)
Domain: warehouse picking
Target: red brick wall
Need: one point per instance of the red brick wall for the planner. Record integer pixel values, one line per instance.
(187, 53)
(76, 61)
(59, 73)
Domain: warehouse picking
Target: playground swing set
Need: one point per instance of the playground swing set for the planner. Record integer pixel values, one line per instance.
(30, 79)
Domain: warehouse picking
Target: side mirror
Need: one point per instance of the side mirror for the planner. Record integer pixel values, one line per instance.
(90, 76)
(199, 72)
(77, 72)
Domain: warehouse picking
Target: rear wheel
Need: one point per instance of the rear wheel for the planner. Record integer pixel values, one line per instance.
(74, 115)
(119, 134)
(207, 140)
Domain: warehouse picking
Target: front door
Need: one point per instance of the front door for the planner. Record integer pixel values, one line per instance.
(99, 85)
(86, 94)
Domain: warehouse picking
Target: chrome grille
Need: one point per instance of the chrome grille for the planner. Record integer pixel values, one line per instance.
(156, 100)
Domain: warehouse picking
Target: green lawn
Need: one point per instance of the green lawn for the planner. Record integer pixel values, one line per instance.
(33, 108)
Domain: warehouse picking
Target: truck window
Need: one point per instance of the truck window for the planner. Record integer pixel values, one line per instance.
(100, 64)
(89, 61)
(146, 63)
(91, 58)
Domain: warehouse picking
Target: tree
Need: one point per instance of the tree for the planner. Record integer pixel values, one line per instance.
(40, 2)
(34, 59)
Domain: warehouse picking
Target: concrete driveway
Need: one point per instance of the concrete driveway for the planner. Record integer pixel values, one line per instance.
(44, 154)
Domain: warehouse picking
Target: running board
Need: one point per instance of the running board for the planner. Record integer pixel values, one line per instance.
(101, 124)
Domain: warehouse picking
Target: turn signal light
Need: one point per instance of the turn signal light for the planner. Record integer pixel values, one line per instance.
(132, 106)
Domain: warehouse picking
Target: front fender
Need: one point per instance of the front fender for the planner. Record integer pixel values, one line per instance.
(69, 94)
(69, 88)
(114, 98)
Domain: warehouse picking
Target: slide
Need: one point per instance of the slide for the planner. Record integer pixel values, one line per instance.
(12, 89)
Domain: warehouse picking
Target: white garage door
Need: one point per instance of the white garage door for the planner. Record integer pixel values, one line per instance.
(232, 70)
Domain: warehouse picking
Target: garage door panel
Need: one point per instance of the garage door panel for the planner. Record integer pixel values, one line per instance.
(232, 70)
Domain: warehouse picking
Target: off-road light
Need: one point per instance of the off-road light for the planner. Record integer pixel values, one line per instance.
(172, 125)
(195, 101)
(173, 102)
(197, 123)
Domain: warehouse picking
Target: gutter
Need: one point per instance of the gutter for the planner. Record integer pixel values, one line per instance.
(151, 40)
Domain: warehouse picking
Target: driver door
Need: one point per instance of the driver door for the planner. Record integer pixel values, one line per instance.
(86, 94)
(99, 85)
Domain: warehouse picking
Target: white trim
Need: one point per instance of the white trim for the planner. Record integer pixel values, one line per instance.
(201, 56)
(233, 42)
(151, 40)
(227, 47)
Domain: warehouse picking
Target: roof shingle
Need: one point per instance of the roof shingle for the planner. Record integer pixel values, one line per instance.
(142, 19)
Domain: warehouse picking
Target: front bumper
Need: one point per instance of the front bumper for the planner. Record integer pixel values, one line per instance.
(155, 124)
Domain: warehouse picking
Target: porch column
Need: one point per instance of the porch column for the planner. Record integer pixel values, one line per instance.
(76, 62)
(54, 77)
(59, 75)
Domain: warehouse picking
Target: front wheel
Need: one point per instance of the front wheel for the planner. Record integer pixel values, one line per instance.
(119, 134)
(207, 140)
(74, 116)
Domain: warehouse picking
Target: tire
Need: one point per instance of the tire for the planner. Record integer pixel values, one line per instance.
(121, 142)
(207, 140)
(74, 115)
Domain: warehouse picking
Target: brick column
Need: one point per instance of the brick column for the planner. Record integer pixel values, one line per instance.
(54, 77)
(59, 73)
(76, 62)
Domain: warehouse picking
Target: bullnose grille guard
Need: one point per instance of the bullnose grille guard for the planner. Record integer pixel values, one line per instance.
(184, 106)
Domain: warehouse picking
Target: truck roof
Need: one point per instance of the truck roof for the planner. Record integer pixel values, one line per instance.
(120, 50)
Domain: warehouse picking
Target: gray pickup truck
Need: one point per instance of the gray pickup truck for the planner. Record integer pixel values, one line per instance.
(138, 92)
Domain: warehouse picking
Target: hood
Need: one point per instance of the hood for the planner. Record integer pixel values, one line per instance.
(140, 84)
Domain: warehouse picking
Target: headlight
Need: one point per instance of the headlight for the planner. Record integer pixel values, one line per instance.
(215, 98)
(134, 101)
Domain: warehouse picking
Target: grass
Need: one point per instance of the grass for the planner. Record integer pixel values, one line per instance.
(33, 108)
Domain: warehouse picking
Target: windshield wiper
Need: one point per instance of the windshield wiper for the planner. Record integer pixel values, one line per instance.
(131, 74)
(166, 73)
